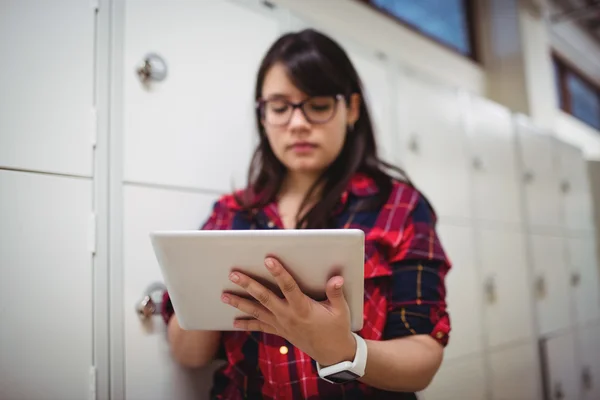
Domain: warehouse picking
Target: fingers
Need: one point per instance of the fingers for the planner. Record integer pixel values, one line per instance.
(254, 325)
(249, 307)
(298, 300)
(335, 293)
(264, 296)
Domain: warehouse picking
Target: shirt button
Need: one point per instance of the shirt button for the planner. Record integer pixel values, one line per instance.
(270, 224)
(283, 350)
(439, 335)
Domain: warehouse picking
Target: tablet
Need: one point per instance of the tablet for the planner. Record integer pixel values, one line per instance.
(196, 265)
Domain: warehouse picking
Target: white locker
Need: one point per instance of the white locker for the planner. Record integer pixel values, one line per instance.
(583, 264)
(551, 283)
(196, 128)
(514, 373)
(589, 354)
(575, 186)
(463, 292)
(458, 379)
(150, 371)
(561, 368)
(508, 310)
(540, 176)
(46, 287)
(433, 146)
(494, 162)
(47, 121)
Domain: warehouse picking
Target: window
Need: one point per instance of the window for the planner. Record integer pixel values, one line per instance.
(448, 22)
(578, 96)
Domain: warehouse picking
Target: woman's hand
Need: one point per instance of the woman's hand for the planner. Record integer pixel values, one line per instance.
(320, 329)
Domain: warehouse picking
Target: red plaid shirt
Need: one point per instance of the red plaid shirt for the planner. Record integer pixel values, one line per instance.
(405, 268)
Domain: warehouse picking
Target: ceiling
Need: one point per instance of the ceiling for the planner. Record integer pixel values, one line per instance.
(585, 13)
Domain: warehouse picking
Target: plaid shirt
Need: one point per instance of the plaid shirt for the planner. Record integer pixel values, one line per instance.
(405, 268)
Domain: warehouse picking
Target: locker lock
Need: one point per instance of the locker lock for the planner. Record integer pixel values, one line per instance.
(559, 394)
(575, 279)
(153, 68)
(586, 378)
(151, 303)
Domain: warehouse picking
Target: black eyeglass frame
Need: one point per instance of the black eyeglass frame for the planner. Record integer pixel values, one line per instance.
(260, 104)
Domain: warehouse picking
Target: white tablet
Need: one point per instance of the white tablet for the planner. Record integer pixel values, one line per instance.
(196, 266)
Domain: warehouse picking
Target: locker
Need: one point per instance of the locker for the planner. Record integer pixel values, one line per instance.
(561, 368)
(583, 266)
(508, 310)
(514, 373)
(540, 177)
(577, 205)
(494, 163)
(551, 283)
(589, 354)
(433, 146)
(463, 291)
(47, 122)
(195, 128)
(458, 379)
(46, 286)
(150, 371)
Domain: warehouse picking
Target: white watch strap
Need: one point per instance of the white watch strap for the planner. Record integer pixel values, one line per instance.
(357, 366)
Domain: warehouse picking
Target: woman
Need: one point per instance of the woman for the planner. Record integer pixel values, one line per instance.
(316, 166)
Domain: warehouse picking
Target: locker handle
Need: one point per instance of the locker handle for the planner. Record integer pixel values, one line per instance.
(575, 279)
(151, 303)
(152, 68)
(558, 391)
(528, 177)
(586, 378)
(490, 290)
(413, 144)
(540, 287)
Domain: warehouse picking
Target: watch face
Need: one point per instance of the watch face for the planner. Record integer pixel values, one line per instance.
(342, 377)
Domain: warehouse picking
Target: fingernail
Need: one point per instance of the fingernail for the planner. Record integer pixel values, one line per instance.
(339, 284)
(269, 263)
(234, 277)
(225, 299)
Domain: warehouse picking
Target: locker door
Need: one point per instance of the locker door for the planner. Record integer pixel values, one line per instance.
(458, 379)
(589, 351)
(515, 373)
(584, 279)
(150, 371)
(46, 293)
(376, 79)
(575, 185)
(492, 142)
(551, 282)
(561, 368)
(196, 127)
(463, 293)
(433, 145)
(540, 177)
(508, 311)
(47, 83)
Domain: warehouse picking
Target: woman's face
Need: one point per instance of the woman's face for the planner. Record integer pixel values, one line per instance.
(302, 145)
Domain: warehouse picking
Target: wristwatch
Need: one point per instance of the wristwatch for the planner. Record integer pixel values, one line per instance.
(347, 371)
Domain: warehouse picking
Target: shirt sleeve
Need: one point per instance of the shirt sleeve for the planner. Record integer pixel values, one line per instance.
(419, 266)
(219, 219)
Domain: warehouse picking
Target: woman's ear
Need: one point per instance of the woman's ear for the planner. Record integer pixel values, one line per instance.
(353, 109)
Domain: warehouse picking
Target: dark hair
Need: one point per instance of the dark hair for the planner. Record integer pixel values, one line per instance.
(318, 66)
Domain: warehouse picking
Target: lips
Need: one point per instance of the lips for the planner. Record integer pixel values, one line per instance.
(302, 147)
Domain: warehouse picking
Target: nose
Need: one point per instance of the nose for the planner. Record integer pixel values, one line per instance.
(298, 120)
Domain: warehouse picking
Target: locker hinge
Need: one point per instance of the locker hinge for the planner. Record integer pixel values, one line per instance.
(92, 234)
(94, 126)
(95, 5)
(92, 383)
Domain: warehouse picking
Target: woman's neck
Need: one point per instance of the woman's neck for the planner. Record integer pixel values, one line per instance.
(298, 184)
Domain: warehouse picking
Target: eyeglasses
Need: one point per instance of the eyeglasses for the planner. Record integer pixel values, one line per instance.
(316, 109)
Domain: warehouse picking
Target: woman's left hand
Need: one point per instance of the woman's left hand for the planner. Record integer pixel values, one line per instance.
(319, 329)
